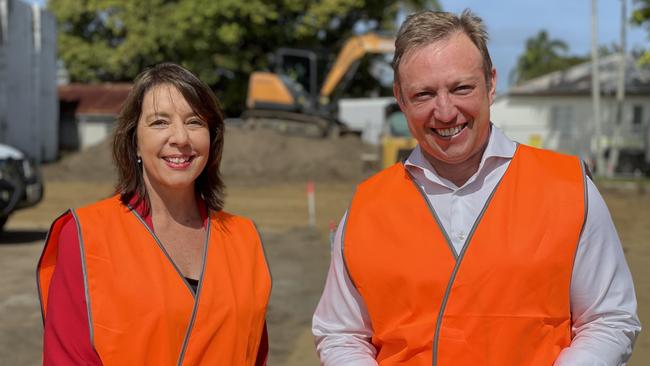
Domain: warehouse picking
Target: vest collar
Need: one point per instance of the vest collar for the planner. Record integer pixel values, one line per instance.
(499, 147)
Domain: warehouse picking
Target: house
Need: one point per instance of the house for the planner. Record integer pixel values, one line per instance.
(555, 111)
(88, 112)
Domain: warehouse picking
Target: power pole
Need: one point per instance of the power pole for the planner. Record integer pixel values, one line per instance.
(615, 146)
(595, 90)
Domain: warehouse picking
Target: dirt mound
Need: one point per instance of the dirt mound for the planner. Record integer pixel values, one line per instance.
(267, 155)
(253, 156)
(94, 164)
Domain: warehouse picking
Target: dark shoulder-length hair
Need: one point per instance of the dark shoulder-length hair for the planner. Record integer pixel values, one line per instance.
(130, 184)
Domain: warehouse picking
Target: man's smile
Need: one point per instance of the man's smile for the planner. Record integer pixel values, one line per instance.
(449, 132)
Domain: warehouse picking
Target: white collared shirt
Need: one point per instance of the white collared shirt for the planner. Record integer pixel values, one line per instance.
(603, 302)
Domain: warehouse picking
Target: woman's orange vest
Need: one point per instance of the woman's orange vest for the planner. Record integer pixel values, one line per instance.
(502, 301)
(142, 312)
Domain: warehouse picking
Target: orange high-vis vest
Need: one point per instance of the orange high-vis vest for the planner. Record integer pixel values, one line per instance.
(503, 300)
(142, 311)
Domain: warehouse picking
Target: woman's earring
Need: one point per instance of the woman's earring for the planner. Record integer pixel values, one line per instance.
(139, 160)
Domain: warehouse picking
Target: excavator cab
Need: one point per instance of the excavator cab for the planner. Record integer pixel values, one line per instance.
(292, 87)
(292, 98)
(397, 141)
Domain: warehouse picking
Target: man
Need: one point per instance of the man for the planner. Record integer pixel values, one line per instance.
(475, 250)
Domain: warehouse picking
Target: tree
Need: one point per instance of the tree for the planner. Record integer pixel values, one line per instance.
(542, 56)
(221, 41)
(641, 17)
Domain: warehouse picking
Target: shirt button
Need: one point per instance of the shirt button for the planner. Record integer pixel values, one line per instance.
(461, 236)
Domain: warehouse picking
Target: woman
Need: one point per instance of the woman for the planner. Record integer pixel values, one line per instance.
(157, 274)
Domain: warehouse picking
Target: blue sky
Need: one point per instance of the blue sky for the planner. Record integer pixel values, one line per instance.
(511, 22)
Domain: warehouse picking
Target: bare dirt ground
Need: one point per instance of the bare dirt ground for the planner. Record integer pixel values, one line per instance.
(629, 208)
(298, 257)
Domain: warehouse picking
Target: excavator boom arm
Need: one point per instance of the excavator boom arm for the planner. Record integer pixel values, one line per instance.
(353, 50)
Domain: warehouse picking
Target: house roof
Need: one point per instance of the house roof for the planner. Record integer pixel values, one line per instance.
(95, 99)
(576, 80)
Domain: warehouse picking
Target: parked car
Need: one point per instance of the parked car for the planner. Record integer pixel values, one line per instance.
(20, 182)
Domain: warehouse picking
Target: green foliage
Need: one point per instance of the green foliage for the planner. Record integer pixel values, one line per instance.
(542, 56)
(641, 13)
(641, 16)
(222, 41)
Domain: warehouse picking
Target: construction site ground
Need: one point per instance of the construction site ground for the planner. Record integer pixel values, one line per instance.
(298, 254)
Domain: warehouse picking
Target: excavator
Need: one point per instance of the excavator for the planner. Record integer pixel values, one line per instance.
(292, 101)
(396, 140)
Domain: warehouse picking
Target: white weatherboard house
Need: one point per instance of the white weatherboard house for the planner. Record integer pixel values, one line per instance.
(555, 111)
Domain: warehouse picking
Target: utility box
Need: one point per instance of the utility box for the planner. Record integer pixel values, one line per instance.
(28, 90)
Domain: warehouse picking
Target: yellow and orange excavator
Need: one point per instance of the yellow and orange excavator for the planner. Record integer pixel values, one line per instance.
(396, 139)
(291, 99)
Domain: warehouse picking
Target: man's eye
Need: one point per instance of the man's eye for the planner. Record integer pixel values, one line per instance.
(464, 89)
(422, 95)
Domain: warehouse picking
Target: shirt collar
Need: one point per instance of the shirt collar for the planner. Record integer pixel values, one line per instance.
(499, 146)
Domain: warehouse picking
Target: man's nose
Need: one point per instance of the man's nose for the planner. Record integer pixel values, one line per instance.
(445, 111)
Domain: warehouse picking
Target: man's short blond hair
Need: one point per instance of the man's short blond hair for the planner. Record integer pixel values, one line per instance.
(425, 27)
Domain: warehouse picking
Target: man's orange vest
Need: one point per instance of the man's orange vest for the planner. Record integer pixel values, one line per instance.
(141, 310)
(503, 300)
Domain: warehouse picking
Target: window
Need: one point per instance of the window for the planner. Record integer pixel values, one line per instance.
(637, 119)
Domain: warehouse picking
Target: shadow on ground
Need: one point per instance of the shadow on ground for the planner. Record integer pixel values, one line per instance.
(21, 236)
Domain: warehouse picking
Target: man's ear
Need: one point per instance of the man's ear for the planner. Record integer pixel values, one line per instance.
(397, 92)
(493, 85)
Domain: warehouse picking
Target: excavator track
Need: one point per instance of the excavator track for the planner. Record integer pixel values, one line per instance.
(291, 123)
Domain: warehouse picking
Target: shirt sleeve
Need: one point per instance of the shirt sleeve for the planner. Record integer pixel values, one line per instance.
(603, 302)
(66, 339)
(341, 324)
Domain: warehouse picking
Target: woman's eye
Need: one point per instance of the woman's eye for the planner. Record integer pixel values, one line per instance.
(158, 122)
(196, 122)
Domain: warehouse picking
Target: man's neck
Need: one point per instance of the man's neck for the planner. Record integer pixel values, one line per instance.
(457, 173)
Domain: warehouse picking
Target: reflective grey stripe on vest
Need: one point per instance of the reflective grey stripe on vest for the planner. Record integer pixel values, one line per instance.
(198, 293)
(40, 262)
(458, 258)
(266, 260)
(435, 215)
(345, 263)
(85, 277)
(162, 248)
(584, 187)
(585, 175)
(180, 274)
